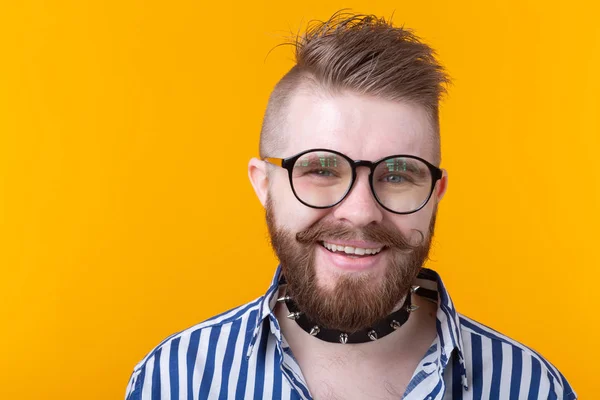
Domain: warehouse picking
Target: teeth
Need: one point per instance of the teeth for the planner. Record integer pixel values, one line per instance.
(351, 250)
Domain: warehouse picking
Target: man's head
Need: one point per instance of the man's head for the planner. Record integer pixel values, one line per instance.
(360, 54)
(368, 90)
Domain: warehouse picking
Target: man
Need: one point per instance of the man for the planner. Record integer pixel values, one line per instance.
(350, 181)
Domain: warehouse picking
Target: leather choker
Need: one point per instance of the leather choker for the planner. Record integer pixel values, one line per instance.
(378, 330)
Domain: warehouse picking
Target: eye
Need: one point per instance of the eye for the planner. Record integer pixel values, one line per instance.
(394, 178)
(322, 172)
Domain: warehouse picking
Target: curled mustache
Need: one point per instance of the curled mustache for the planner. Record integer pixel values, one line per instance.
(387, 236)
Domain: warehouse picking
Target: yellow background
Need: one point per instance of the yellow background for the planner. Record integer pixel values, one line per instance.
(125, 210)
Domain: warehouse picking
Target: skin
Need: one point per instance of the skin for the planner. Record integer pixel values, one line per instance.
(365, 128)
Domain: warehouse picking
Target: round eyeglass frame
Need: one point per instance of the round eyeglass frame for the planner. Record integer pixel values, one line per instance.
(289, 162)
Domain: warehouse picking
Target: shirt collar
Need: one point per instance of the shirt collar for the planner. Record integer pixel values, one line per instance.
(266, 306)
(449, 332)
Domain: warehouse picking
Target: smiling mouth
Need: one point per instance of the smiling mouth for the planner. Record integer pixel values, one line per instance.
(351, 250)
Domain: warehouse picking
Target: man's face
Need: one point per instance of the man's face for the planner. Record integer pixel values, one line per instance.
(336, 290)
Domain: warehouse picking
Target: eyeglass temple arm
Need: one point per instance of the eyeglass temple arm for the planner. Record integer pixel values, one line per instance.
(275, 161)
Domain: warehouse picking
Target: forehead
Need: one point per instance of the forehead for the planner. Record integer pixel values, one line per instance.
(359, 126)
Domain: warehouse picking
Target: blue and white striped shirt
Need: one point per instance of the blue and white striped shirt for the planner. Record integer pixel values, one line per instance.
(241, 354)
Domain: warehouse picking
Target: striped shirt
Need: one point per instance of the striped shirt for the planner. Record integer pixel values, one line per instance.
(241, 354)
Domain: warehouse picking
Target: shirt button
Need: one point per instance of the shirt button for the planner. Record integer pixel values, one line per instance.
(429, 368)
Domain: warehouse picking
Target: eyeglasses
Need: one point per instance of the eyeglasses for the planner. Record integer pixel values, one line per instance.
(321, 178)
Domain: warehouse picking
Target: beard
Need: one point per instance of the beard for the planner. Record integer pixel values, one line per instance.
(356, 301)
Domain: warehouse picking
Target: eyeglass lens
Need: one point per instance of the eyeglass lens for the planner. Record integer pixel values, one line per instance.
(322, 179)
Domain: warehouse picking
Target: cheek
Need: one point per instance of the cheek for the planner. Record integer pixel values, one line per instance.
(289, 212)
(298, 217)
(415, 221)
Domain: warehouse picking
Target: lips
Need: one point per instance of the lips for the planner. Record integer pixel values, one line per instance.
(351, 261)
(351, 250)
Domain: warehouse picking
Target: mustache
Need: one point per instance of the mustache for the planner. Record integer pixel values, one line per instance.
(385, 235)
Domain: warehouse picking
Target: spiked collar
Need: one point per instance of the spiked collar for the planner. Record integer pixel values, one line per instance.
(378, 330)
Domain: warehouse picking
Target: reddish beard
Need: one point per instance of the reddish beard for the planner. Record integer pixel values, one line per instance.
(355, 302)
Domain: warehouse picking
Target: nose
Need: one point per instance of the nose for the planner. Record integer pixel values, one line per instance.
(359, 208)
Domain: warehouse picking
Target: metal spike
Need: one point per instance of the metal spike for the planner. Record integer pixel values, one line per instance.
(414, 289)
(372, 335)
(412, 308)
(395, 324)
(284, 299)
(294, 315)
(315, 330)
(343, 338)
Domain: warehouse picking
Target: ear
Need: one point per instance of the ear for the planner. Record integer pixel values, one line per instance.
(257, 172)
(441, 186)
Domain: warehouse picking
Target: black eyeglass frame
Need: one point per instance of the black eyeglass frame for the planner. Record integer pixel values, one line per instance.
(289, 162)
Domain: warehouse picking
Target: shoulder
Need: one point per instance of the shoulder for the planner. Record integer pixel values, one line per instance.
(239, 314)
(499, 363)
(194, 344)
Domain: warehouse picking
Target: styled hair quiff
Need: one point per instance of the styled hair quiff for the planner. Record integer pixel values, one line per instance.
(362, 54)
